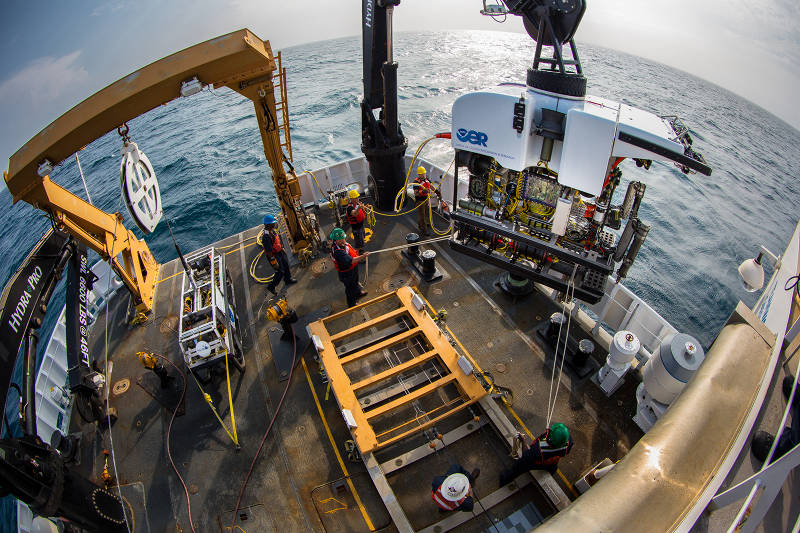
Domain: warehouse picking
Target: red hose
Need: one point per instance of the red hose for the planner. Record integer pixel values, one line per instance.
(615, 165)
(444, 135)
(266, 434)
(169, 430)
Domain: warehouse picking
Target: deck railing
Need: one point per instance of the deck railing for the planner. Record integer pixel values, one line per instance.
(765, 484)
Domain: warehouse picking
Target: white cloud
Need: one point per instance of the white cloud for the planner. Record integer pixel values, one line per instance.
(43, 81)
(36, 95)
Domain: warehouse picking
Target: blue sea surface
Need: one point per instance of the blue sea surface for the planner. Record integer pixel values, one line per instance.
(215, 181)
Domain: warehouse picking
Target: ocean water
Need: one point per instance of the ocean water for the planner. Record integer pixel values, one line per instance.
(214, 180)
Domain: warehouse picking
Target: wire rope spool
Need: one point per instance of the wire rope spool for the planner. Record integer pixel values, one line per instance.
(140, 187)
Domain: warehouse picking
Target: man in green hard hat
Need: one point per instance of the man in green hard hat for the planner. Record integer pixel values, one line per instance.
(346, 259)
(544, 453)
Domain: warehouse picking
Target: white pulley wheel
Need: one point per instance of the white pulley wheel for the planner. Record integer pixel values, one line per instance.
(140, 188)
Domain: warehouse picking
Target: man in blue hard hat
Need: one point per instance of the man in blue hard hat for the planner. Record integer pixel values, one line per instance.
(544, 453)
(346, 259)
(275, 254)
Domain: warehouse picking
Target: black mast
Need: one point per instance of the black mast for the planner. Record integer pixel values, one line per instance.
(382, 139)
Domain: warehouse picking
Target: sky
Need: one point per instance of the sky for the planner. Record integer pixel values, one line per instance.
(55, 53)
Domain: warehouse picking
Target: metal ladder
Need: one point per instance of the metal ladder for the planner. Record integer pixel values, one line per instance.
(282, 107)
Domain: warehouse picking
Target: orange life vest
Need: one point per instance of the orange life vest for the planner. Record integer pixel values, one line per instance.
(443, 502)
(350, 251)
(421, 192)
(358, 218)
(276, 243)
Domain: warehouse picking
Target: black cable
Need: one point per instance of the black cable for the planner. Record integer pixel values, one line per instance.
(270, 120)
(793, 283)
(484, 511)
(178, 249)
(489, 517)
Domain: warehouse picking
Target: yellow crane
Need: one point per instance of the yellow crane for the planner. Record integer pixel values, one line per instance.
(240, 61)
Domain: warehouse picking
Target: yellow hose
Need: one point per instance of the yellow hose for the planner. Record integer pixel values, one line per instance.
(401, 194)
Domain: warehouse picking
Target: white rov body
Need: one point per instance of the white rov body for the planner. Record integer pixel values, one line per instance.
(595, 130)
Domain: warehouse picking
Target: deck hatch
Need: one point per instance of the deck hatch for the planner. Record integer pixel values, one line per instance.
(390, 365)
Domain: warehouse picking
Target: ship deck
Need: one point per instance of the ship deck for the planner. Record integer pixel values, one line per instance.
(296, 483)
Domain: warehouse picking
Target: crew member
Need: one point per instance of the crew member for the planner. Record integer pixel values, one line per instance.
(543, 453)
(275, 254)
(422, 192)
(453, 490)
(346, 259)
(356, 213)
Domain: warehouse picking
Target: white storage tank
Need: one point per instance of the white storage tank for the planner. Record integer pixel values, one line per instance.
(669, 370)
(624, 347)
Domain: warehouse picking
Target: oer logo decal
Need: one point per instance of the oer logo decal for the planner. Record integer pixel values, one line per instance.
(472, 136)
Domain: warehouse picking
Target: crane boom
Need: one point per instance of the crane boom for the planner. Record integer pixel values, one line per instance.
(240, 61)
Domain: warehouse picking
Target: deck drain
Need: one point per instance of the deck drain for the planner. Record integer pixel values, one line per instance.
(320, 266)
(529, 392)
(169, 326)
(500, 367)
(121, 386)
(392, 283)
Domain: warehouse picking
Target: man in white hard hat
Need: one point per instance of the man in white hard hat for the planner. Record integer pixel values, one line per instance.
(453, 490)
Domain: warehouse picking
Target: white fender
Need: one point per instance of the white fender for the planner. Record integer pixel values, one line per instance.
(140, 188)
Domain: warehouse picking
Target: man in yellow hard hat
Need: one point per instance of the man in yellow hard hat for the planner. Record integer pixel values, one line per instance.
(355, 213)
(422, 192)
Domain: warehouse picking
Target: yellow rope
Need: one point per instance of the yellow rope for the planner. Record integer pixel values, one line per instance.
(320, 188)
(401, 194)
(350, 484)
(254, 262)
(430, 207)
(230, 400)
(210, 402)
(370, 216)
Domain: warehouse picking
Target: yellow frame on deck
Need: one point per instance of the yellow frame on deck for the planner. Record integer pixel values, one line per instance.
(345, 391)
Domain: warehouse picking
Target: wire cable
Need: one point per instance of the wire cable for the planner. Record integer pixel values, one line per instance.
(108, 404)
(80, 169)
(552, 407)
